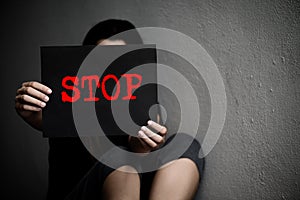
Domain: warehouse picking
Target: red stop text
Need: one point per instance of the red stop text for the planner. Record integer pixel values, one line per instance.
(76, 84)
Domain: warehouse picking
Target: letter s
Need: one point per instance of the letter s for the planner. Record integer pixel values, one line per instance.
(64, 96)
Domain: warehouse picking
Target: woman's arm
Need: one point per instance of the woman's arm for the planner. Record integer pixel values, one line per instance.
(30, 99)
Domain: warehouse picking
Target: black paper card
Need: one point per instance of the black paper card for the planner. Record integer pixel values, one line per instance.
(98, 76)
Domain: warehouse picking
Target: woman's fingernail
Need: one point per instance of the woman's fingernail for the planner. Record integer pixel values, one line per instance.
(143, 128)
(43, 104)
(150, 122)
(49, 91)
(46, 98)
(140, 134)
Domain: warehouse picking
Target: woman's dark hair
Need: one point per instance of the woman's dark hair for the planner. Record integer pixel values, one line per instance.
(108, 28)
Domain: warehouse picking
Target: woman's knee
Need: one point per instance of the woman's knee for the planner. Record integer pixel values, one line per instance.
(124, 173)
(127, 169)
(186, 164)
(122, 183)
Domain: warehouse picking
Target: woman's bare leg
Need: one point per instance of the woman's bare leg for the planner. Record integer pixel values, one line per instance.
(123, 183)
(177, 180)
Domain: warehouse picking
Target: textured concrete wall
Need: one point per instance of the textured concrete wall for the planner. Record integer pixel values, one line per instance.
(255, 45)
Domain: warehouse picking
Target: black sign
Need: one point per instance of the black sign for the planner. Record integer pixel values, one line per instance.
(98, 76)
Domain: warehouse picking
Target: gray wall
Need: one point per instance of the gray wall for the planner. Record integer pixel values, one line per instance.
(255, 45)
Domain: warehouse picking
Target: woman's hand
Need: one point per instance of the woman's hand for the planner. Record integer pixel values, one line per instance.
(30, 99)
(148, 138)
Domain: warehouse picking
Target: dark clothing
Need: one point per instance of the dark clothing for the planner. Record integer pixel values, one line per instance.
(75, 173)
(68, 161)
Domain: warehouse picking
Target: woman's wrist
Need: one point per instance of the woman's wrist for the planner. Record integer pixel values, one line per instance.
(135, 145)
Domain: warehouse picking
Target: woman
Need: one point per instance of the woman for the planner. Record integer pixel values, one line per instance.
(75, 174)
